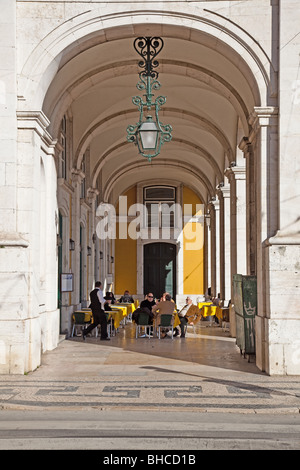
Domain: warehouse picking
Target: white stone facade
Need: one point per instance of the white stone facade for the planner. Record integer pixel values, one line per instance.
(233, 97)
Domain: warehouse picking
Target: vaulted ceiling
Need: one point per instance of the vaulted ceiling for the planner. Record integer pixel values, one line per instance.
(210, 94)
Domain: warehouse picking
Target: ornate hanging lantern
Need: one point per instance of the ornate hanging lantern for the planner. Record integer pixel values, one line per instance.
(149, 134)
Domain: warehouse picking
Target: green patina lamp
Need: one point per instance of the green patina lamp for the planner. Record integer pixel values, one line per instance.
(149, 134)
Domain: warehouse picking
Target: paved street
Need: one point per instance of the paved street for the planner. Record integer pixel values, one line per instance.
(124, 430)
(197, 393)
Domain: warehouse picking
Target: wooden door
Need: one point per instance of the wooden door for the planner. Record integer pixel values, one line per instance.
(160, 269)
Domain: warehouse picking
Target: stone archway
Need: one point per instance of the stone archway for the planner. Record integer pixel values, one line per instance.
(221, 83)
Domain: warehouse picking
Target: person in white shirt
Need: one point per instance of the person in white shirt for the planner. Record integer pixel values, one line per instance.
(99, 316)
(188, 314)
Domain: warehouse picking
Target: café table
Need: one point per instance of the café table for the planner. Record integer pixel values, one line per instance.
(200, 305)
(119, 315)
(212, 310)
(209, 310)
(129, 306)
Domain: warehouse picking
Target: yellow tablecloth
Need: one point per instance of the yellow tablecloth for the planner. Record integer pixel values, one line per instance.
(209, 310)
(203, 304)
(130, 307)
(118, 314)
(176, 320)
(219, 313)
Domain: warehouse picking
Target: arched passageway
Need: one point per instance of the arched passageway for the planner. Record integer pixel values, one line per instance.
(75, 89)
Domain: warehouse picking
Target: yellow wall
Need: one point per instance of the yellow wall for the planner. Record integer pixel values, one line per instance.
(125, 256)
(193, 259)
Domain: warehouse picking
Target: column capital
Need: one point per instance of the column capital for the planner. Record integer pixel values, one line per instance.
(235, 173)
(245, 146)
(92, 194)
(262, 116)
(38, 122)
(223, 191)
(287, 236)
(34, 120)
(265, 115)
(77, 175)
(214, 204)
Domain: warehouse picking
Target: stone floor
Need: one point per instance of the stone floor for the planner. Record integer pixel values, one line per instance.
(202, 372)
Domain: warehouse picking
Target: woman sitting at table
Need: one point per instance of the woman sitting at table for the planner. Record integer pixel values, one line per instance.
(107, 304)
(110, 296)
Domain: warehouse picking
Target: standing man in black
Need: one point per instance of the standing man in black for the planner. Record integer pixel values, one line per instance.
(99, 316)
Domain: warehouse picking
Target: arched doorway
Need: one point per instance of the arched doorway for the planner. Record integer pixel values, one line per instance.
(160, 268)
(221, 85)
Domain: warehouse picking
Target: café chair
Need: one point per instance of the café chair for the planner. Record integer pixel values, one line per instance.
(166, 321)
(186, 326)
(143, 322)
(79, 320)
(110, 330)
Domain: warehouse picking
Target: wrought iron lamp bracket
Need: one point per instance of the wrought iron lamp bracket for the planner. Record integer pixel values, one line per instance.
(148, 48)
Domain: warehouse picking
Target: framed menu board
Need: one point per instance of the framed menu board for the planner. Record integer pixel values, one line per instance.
(66, 282)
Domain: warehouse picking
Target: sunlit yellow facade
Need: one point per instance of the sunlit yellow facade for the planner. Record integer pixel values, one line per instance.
(192, 265)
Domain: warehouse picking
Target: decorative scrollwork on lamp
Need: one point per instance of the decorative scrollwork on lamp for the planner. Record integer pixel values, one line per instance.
(149, 134)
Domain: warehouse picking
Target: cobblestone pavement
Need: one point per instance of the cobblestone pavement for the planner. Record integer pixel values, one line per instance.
(203, 373)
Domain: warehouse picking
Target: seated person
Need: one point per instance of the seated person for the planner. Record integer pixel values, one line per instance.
(138, 311)
(216, 300)
(126, 298)
(146, 306)
(110, 296)
(107, 303)
(148, 302)
(164, 307)
(163, 297)
(107, 308)
(188, 314)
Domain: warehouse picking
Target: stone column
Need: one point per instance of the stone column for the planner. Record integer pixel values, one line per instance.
(238, 260)
(77, 177)
(251, 230)
(225, 275)
(265, 150)
(212, 218)
(237, 179)
(207, 247)
(281, 251)
(28, 262)
(14, 248)
(48, 248)
(217, 246)
(92, 194)
(8, 121)
(214, 210)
